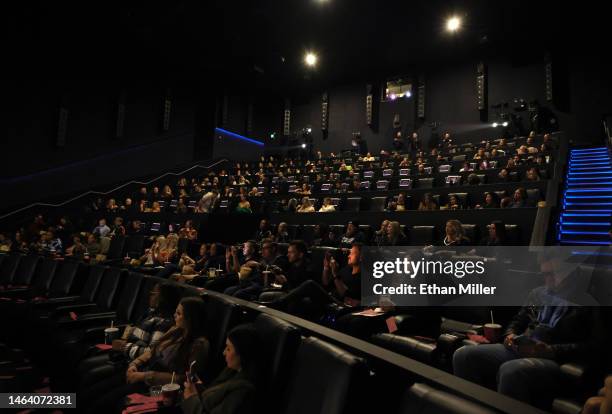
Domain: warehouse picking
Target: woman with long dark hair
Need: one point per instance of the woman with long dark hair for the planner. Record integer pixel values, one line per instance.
(136, 340)
(171, 356)
(233, 391)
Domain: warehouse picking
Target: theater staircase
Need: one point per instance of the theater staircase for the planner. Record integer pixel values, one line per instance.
(587, 198)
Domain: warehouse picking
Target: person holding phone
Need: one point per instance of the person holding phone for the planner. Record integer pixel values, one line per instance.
(233, 391)
(547, 332)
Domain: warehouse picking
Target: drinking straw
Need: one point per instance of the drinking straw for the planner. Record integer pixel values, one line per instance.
(492, 321)
(172, 381)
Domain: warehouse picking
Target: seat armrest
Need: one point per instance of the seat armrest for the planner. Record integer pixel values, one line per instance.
(56, 302)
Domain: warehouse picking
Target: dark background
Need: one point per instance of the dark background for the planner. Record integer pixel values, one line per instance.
(66, 55)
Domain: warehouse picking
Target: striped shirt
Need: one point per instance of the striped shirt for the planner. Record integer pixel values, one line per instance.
(146, 334)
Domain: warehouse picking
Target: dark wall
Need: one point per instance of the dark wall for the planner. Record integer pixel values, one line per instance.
(34, 167)
(582, 97)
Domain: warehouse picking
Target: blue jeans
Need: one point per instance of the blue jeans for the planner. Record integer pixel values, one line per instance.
(532, 380)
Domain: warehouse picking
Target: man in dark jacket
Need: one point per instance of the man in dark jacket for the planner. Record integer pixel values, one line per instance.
(548, 331)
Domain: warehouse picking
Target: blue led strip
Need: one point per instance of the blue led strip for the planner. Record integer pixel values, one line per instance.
(238, 136)
(585, 223)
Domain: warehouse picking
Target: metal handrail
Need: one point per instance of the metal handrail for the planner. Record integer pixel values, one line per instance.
(112, 190)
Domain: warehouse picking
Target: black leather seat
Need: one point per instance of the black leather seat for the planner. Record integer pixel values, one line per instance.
(134, 246)
(462, 198)
(471, 232)
(41, 281)
(352, 204)
(307, 233)
(425, 183)
(221, 316)
(116, 248)
(279, 342)
(42, 310)
(422, 235)
(25, 271)
(8, 267)
(533, 196)
(405, 345)
(378, 203)
(513, 234)
(104, 300)
(424, 399)
(318, 371)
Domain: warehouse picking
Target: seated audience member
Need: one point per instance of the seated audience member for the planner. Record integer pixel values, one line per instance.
(233, 391)
(234, 260)
(497, 234)
(282, 234)
(188, 231)
(380, 235)
(399, 204)
(473, 179)
(5, 243)
(299, 268)
(49, 243)
(304, 190)
(118, 229)
(77, 249)
(455, 236)
(216, 257)
(208, 201)
(503, 175)
(602, 403)
(519, 199)
(532, 175)
(263, 232)
(142, 206)
(453, 203)
(427, 203)
(327, 206)
(394, 235)
(93, 245)
(252, 283)
(548, 144)
(181, 207)
(340, 287)
(323, 236)
(546, 332)
(135, 340)
(167, 193)
(151, 255)
(491, 201)
(353, 235)
(186, 275)
(155, 208)
(199, 262)
(254, 192)
(111, 205)
(101, 230)
(243, 205)
(367, 158)
(466, 167)
(135, 227)
(171, 356)
(306, 206)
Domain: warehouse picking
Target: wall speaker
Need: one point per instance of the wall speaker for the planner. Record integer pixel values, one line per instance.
(249, 118)
(225, 111)
(548, 69)
(167, 110)
(421, 98)
(287, 118)
(121, 108)
(369, 103)
(62, 126)
(481, 86)
(324, 111)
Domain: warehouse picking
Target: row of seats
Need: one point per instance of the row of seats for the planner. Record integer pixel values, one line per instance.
(301, 373)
